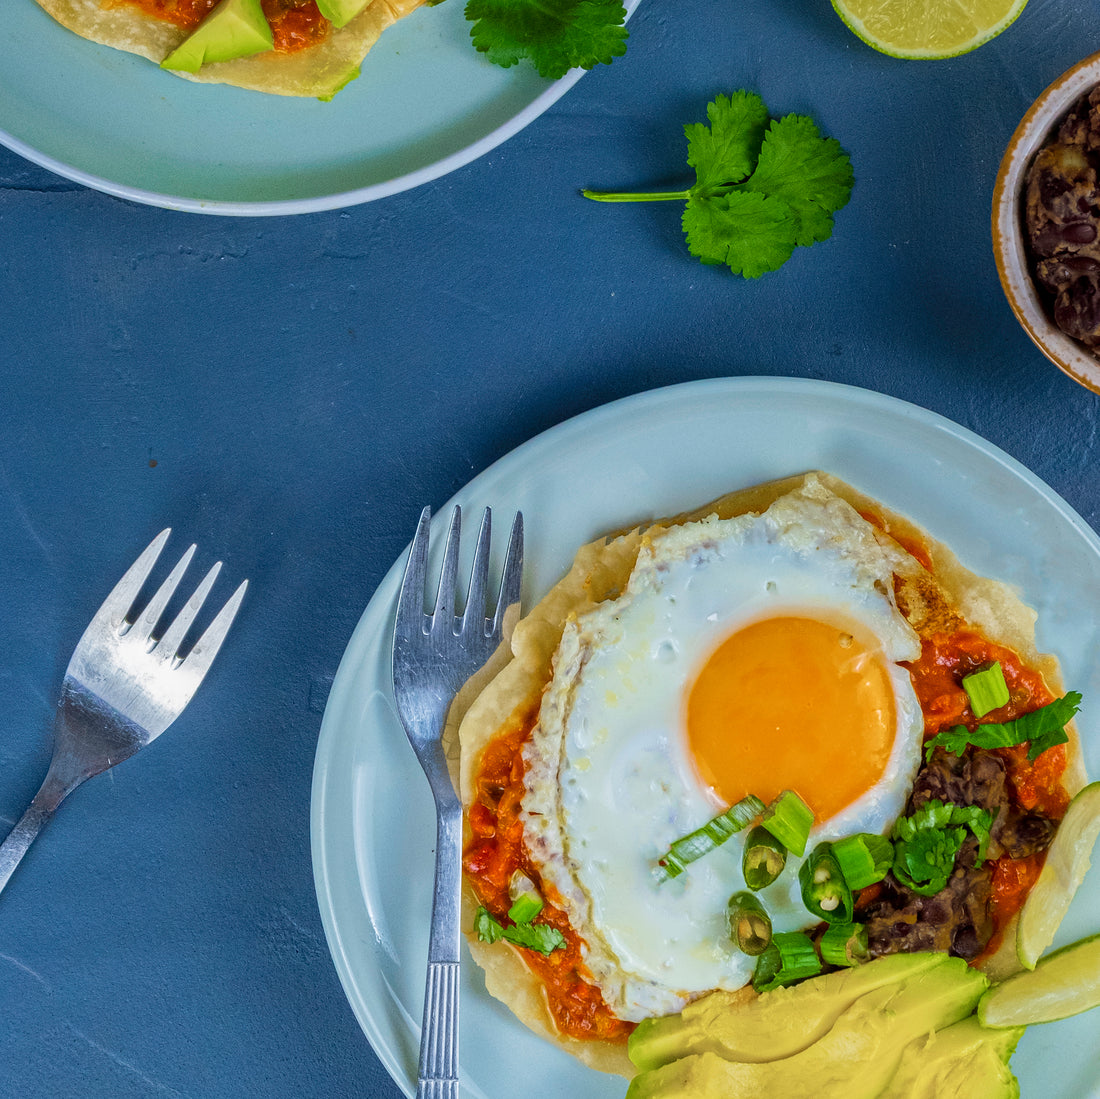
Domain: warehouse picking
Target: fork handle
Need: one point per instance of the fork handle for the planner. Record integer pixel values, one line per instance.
(437, 1072)
(22, 835)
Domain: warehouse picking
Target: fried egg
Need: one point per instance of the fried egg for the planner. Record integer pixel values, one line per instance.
(745, 656)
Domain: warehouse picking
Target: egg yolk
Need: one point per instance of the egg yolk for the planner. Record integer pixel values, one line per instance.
(793, 703)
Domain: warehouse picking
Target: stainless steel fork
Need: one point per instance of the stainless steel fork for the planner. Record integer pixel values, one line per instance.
(123, 687)
(433, 655)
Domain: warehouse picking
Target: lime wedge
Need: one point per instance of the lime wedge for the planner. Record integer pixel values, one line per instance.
(1064, 983)
(927, 28)
(1068, 859)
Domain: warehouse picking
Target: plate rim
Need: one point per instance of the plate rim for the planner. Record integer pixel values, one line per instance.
(426, 173)
(381, 600)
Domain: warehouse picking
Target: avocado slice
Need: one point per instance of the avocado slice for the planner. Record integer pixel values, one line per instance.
(778, 1024)
(856, 1059)
(962, 1061)
(340, 12)
(235, 28)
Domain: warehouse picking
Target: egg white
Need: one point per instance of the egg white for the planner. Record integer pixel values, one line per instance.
(609, 777)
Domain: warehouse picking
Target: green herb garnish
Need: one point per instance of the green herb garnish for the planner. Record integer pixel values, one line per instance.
(554, 35)
(789, 819)
(704, 840)
(761, 189)
(986, 689)
(535, 936)
(1042, 729)
(844, 944)
(789, 957)
(927, 843)
(864, 858)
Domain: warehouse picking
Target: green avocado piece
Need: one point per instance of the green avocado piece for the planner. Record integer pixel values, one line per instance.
(235, 28)
(856, 1059)
(777, 1024)
(963, 1061)
(339, 12)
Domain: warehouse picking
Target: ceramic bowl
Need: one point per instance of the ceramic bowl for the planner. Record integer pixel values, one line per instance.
(1008, 229)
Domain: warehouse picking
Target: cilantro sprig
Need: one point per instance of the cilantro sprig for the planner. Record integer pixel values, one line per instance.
(762, 188)
(1041, 729)
(535, 936)
(554, 35)
(927, 842)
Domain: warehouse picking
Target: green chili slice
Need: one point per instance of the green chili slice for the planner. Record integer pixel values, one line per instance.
(749, 925)
(824, 891)
(763, 859)
(864, 858)
(704, 840)
(844, 944)
(789, 819)
(790, 957)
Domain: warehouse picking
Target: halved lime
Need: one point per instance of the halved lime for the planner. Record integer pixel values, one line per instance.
(1064, 983)
(1067, 861)
(927, 28)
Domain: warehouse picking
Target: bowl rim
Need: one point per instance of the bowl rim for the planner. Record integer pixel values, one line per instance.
(1013, 268)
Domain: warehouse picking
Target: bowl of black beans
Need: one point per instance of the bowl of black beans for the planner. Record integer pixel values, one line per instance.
(1046, 222)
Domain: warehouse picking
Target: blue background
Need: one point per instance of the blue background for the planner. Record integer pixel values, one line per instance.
(289, 392)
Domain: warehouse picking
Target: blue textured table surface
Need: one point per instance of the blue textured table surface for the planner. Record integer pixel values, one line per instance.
(288, 393)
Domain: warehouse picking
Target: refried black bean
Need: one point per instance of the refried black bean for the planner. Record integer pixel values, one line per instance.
(1062, 217)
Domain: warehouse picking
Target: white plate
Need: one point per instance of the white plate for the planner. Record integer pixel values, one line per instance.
(426, 103)
(650, 455)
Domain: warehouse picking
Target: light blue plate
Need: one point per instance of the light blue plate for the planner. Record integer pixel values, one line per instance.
(656, 453)
(426, 103)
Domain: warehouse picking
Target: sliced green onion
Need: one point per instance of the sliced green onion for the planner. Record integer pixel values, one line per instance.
(790, 957)
(824, 891)
(525, 908)
(864, 858)
(749, 925)
(986, 689)
(763, 859)
(704, 840)
(789, 818)
(844, 944)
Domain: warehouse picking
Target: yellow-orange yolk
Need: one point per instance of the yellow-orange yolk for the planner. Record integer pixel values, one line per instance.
(793, 703)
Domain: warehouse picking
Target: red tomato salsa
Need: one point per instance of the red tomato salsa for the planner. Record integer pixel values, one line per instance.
(496, 850)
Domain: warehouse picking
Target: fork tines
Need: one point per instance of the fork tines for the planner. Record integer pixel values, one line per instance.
(113, 615)
(442, 617)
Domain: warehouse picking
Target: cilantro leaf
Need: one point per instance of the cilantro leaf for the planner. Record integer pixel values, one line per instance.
(555, 35)
(752, 233)
(535, 936)
(812, 174)
(927, 842)
(725, 152)
(760, 189)
(1043, 728)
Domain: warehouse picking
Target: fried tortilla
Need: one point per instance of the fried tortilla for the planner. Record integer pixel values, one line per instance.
(510, 689)
(316, 71)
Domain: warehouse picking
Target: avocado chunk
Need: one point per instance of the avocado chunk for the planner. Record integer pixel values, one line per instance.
(340, 12)
(235, 28)
(856, 1059)
(777, 1024)
(962, 1061)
